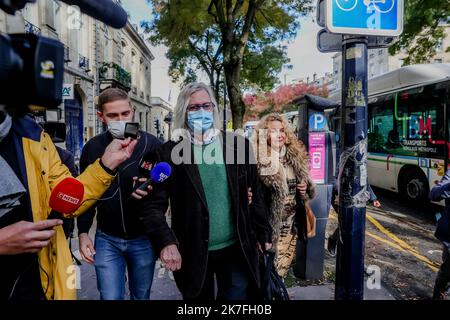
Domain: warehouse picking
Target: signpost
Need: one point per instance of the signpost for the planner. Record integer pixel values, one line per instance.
(353, 26)
(365, 17)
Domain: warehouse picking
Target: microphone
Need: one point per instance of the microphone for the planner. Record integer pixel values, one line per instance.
(104, 10)
(160, 173)
(66, 198)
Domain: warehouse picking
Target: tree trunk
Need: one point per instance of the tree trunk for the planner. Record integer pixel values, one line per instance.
(232, 75)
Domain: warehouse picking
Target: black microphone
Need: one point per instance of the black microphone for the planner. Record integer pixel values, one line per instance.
(104, 10)
(155, 175)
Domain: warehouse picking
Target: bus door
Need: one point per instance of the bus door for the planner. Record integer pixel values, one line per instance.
(383, 136)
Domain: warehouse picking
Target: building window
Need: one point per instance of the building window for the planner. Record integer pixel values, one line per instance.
(440, 45)
(57, 17)
(437, 60)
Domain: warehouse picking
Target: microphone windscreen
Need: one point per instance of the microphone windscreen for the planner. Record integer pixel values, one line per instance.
(161, 172)
(104, 10)
(67, 196)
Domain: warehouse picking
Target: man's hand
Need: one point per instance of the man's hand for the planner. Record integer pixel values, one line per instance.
(250, 195)
(27, 237)
(302, 188)
(171, 258)
(139, 194)
(377, 204)
(86, 248)
(117, 152)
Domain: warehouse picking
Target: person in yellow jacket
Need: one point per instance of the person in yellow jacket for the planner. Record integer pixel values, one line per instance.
(35, 260)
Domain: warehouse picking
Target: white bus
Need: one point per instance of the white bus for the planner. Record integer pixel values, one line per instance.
(408, 129)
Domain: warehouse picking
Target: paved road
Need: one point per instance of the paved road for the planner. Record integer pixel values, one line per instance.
(400, 241)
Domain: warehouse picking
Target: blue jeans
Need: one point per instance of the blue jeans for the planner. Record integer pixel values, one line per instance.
(115, 255)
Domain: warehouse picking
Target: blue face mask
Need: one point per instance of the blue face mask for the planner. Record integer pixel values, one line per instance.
(200, 121)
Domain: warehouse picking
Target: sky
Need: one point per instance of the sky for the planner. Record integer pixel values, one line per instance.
(302, 51)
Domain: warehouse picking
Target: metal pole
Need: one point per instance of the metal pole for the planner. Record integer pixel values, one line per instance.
(224, 106)
(353, 182)
(446, 133)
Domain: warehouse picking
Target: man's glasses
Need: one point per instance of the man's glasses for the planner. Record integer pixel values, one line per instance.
(205, 106)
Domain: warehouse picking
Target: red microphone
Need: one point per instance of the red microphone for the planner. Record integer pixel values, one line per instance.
(66, 198)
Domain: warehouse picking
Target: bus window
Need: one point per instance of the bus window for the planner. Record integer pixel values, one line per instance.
(381, 126)
(422, 129)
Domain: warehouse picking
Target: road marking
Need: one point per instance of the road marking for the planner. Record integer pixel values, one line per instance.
(398, 244)
(431, 264)
(378, 225)
(389, 243)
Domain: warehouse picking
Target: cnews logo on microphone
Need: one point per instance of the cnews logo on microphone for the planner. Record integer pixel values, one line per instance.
(67, 198)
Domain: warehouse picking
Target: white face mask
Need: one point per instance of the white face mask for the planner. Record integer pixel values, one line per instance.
(117, 129)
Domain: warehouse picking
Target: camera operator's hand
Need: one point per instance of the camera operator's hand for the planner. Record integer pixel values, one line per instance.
(26, 237)
(86, 248)
(117, 152)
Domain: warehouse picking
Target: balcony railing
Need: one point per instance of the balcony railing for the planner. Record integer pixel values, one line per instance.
(83, 63)
(115, 74)
(31, 28)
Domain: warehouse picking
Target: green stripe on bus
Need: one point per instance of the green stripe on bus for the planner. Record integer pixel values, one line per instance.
(390, 161)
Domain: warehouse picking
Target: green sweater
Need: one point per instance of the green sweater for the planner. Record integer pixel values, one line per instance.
(213, 173)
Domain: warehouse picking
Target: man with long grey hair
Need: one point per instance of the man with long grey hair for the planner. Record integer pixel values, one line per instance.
(219, 233)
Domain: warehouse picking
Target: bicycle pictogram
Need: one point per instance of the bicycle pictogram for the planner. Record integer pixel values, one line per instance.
(382, 6)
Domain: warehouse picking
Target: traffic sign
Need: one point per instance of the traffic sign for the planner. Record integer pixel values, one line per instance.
(317, 122)
(332, 42)
(365, 17)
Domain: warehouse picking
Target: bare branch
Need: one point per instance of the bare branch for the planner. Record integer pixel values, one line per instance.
(249, 18)
(229, 4)
(210, 12)
(237, 7)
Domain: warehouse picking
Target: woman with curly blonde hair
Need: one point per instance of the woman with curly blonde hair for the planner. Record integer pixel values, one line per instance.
(282, 163)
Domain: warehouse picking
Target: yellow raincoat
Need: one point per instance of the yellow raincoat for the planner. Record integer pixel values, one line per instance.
(44, 170)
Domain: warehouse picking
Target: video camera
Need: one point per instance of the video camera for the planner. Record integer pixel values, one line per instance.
(36, 64)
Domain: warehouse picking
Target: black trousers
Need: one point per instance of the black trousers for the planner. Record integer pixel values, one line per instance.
(443, 277)
(229, 269)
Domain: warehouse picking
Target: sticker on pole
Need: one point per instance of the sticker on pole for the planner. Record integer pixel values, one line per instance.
(365, 17)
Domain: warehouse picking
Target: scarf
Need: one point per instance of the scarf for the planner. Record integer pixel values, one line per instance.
(5, 126)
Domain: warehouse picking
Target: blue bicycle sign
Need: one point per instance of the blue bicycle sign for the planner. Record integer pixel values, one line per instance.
(365, 17)
(382, 6)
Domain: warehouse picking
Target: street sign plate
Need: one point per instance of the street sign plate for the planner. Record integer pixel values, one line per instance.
(321, 18)
(329, 42)
(365, 17)
(332, 42)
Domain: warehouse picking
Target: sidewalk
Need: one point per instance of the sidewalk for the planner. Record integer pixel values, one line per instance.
(164, 287)
(326, 292)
